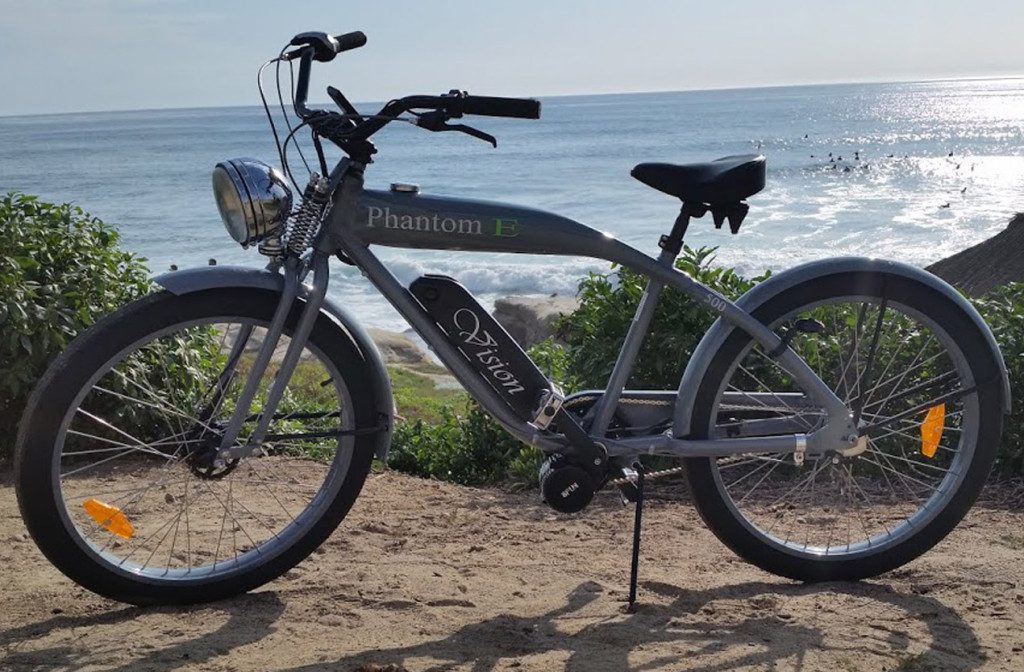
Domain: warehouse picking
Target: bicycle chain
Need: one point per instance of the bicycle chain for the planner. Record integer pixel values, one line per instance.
(662, 473)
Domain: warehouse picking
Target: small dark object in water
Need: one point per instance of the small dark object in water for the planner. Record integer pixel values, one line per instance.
(944, 205)
(890, 156)
(951, 153)
(174, 267)
(964, 190)
(805, 136)
(846, 170)
(212, 262)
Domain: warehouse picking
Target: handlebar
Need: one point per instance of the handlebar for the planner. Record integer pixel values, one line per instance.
(350, 41)
(323, 47)
(489, 106)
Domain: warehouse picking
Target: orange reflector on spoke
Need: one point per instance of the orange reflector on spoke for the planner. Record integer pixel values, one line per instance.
(109, 517)
(932, 428)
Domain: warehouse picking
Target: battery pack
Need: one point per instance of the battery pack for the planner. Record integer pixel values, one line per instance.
(485, 344)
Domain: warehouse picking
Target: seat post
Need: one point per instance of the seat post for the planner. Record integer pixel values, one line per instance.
(672, 244)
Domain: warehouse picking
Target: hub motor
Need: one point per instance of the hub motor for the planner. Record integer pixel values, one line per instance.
(565, 486)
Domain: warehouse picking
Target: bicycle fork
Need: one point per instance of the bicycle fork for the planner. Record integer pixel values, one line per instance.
(314, 298)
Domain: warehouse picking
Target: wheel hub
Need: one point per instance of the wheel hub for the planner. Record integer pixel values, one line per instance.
(202, 460)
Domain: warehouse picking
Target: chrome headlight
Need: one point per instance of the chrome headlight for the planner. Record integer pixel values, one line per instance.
(253, 198)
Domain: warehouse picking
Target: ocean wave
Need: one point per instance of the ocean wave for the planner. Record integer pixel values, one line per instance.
(488, 275)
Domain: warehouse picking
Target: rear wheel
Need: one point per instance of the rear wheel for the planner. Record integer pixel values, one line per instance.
(909, 362)
(116, 472)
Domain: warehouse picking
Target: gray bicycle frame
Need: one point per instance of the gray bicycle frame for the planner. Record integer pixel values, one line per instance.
(359, 218)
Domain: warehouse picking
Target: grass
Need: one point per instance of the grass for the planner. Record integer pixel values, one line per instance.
(416, 394)
(418, 398)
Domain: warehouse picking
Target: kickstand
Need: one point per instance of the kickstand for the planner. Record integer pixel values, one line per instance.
(634, 566)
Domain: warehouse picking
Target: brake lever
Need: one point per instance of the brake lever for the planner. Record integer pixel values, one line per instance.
(437, 121)
(341, 101)
(475, 132)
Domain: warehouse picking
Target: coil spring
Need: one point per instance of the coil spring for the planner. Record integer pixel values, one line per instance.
(304, 223)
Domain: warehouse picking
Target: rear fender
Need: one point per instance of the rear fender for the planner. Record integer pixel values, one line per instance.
(776, 284)
(218, 277)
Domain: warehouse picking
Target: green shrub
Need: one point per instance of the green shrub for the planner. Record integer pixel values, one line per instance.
(452, 449)
(1003, 309)
(594, 332)
(467, 448)
(60, 270)
(465, 445)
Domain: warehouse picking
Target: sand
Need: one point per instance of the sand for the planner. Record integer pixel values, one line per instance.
(432, 576)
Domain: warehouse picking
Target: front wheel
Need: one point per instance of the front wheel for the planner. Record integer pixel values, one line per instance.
(116, 469)
(910, 363)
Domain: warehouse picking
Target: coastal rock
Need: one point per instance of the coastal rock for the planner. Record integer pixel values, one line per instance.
(530, 319)
(988, 264)
(400, 350)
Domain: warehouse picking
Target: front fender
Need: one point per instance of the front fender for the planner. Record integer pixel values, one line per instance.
(217, 277)
(776, 284)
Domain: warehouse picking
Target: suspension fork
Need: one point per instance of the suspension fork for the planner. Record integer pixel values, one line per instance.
(313, 301)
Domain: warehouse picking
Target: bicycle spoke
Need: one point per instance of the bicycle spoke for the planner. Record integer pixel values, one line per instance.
(143, 450)
(891, 370)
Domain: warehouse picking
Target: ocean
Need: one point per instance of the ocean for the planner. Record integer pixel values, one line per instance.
(912, 171)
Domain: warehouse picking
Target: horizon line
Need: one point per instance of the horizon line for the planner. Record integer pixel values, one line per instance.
(965, 78)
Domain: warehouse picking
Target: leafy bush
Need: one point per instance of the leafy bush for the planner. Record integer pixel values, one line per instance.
(1003, 309)
(467, 448)
(594, 332)
(453, 448)
(60, 270)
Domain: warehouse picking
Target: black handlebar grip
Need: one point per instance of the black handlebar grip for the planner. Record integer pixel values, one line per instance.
(488, 106)
(350, 41)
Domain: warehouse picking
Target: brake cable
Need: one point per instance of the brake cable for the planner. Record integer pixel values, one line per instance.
(280, 100)
(266, 109)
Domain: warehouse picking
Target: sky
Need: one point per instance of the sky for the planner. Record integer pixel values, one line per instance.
(84, 55)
